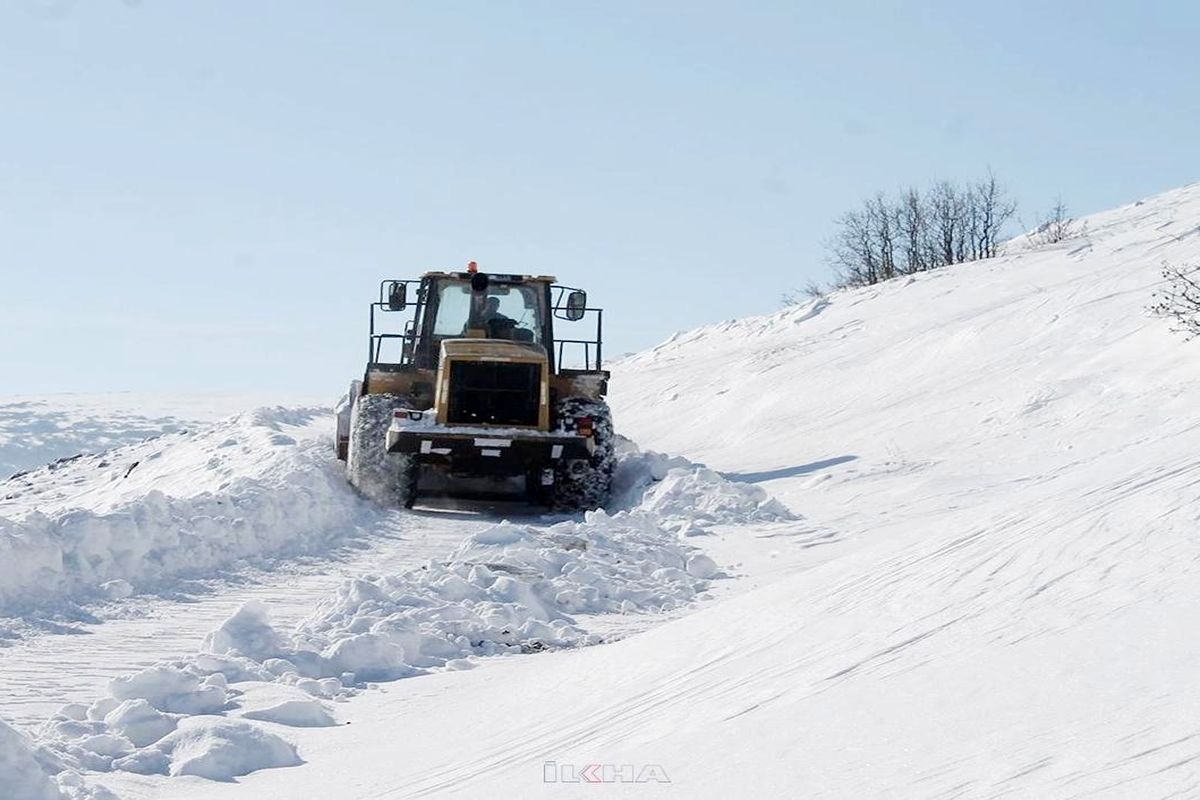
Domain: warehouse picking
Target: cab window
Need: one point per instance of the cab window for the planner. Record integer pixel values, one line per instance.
(512, 312)
(453, 309)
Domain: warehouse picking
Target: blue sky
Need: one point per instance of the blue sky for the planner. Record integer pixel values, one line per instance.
(204, 196)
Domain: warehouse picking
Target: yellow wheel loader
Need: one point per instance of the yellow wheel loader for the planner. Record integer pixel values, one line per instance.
(469, 391)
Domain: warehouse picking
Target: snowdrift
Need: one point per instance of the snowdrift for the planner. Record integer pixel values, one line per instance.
(257, 484)
(508, 589)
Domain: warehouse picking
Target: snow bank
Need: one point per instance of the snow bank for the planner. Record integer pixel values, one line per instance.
(23, 776)
(507, 589)
(258, 484)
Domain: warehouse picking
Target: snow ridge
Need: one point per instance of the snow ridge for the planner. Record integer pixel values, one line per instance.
(508, 589)
(258, 484)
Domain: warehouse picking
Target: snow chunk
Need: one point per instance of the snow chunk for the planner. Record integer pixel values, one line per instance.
(310, 713)
(139, 722)
(701, 566)
(149, 761)
(508, 589)
(248, 632)
(370, 656)
(169, 688)
(497, 535)
(222, 749)
(75, 711)
(154, 684)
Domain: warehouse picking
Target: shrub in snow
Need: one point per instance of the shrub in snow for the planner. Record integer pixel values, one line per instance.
(1178, 299)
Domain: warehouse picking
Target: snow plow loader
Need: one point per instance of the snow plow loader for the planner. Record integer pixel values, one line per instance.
(470, 391)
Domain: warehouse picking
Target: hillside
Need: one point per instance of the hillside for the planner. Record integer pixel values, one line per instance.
(1006, 454)
(990, 591)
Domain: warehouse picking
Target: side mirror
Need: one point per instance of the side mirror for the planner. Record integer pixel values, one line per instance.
(398, 296)
(576, 305)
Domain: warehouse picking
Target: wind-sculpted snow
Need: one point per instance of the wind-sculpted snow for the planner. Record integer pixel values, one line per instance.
(38, 429)
(33, 433)
(508, 589)
(259, 484)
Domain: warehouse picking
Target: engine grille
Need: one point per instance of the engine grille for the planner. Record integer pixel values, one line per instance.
(494, 393)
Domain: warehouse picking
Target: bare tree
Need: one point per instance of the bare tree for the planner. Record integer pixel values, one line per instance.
(915, 232)
(911, 226)
(993, 209)
(969, 248)
(1178, 299)
(883, 235)
(946, 221)
(851, 253)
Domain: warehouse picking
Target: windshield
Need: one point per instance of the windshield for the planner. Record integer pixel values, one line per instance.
(504, 311)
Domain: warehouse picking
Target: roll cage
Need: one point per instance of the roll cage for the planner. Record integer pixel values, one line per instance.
(402, 336)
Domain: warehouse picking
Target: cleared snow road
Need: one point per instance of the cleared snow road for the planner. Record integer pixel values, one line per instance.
(74, 664)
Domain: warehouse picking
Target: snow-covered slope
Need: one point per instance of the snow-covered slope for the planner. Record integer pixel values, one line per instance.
(1010, 450)
(1007, 454)
(991, 594)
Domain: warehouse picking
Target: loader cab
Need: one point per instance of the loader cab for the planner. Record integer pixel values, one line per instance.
(527, 316)
(508, 307)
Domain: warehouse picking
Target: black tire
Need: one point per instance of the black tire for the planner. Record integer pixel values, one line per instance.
(389, 479)
(584, 484)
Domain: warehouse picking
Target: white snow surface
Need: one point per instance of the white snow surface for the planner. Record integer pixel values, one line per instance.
(25, 775)
(134, 518)
(991, 592)
(507, 589)
(1005, 455)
